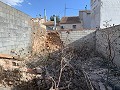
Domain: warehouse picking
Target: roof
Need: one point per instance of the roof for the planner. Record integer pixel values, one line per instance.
(87, 11)
(50, 23)
(70, 20)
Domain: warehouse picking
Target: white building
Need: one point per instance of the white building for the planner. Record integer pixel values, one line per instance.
(105, 13)
(85, 18)
(71, 23)
(51, 24)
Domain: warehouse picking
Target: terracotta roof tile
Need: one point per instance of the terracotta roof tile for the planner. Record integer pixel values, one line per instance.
(70, 20)
(50, 23)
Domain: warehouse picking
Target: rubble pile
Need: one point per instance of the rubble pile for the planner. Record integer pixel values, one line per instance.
(53, 41)
(70, 78)
(46, 42)
(38, 41)
(13, 73)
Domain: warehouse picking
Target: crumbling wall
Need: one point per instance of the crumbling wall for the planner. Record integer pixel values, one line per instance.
(45, 42)
(15, 31)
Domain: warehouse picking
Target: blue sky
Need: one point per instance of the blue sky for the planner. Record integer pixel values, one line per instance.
(36, 7)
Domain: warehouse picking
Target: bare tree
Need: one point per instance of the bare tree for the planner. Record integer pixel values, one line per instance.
(107, 44)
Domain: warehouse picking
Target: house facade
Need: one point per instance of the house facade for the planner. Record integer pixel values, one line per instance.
(50, 25)
(71, 23)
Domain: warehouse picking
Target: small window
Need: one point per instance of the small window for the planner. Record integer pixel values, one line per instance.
(62, 27)
(74, 26)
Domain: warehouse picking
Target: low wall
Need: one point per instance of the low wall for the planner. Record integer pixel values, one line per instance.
(98, 40)
(15, 30)
(82, 42)
(69, 37)
(106, 38)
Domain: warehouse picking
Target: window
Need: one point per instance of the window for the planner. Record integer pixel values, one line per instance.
(62, 27)
(74, 26)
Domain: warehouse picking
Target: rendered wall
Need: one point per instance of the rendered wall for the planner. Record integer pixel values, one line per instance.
(106, 37)
(70, 26)
(110, 11)
(15, 31)
(85, 17)
(95, 14)
(105, 12)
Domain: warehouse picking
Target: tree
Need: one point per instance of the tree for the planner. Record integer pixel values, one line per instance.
(57, 18)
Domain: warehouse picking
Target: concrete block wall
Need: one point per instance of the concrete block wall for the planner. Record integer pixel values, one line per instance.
(81, 41)
(69, 37)
(15, 30)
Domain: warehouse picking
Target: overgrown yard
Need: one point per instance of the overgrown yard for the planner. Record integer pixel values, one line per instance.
(67, 68)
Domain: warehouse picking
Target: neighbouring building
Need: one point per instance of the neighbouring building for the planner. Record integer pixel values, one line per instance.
(71, 23)
(105, 13)
(50, 25)
(85, 18)
(38, 22)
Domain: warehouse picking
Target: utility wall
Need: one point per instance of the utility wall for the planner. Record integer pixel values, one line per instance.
(15, 31)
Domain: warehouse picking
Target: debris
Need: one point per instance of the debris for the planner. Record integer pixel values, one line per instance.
(6, 56)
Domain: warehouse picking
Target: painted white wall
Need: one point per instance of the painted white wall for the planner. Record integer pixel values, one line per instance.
(95, 14)
(105, 10)
(70, 26)
(110, 11)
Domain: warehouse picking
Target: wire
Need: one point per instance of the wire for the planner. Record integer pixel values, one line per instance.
(73, 8)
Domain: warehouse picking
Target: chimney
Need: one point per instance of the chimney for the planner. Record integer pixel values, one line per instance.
(54, 22)
(45, 14)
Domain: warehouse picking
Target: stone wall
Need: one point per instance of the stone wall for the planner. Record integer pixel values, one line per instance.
(15, 30)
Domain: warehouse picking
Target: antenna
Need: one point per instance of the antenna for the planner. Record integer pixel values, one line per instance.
(40, 16)
(86, 7)
(36, 16)
(65, 10)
